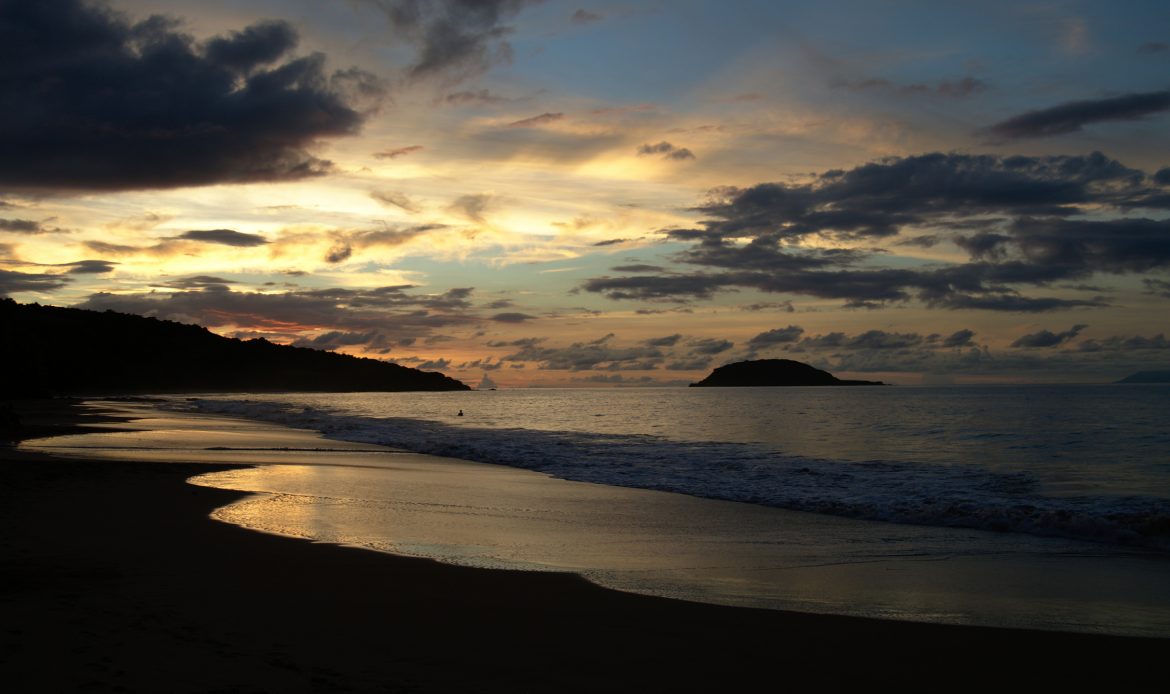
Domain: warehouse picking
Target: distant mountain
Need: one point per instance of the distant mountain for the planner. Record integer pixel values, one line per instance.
(1147, 377)
(46, 350)
(774, 372)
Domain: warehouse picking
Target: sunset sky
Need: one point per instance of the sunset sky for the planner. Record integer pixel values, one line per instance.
(604, 192)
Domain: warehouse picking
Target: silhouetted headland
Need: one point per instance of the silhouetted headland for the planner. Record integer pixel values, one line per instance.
(1147, 377)
(57, 351)
(774, 372)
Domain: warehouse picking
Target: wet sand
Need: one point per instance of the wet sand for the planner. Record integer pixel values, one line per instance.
(114, 579)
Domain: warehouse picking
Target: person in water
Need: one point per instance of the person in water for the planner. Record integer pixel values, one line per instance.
(460, 413)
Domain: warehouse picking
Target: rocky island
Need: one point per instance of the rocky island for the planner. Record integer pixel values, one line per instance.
(1147, 377)
(774, 372)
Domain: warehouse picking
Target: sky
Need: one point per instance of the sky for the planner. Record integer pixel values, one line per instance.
(604, 193)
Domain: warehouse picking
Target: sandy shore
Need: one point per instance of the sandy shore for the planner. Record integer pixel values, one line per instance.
(114, 578)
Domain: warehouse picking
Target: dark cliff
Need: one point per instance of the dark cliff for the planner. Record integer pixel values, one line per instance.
(46, 350)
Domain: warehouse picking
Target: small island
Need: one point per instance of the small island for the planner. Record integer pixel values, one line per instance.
(771, 373)
(1147, 377)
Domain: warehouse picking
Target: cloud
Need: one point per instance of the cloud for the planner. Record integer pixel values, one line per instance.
(91, 101)
(778, 336)
(224, 237)
(387, 315)
(667, 341)
(1026, 209)
(90, 267)
(585, 17)
(13, 282)
(347, 242)
(1121, 343)
(1153, 47)
(667, 150)
(1157, 287)
(197, 282)
(709, 346)
(372, 340)
(585, 356)
(262, 43)
(473, 206)
(393, 198)
(456, 39)
(1046, 338)
(536, 121)
(399, 152)
(1072, 116)
(959, 338)
(21, 226)
(512, 317)
(478, 96)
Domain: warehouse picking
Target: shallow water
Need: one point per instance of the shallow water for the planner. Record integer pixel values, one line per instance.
(1082, 462)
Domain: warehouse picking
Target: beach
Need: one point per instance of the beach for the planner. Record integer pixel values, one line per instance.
(115, 578)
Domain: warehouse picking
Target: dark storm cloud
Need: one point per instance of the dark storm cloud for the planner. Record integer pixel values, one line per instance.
(260, 44)
(597, 355)
(223, 237)
(91, 101)
(667, 150)
(512, 317)
(1072, 116)
(535, 121)
(456, 38)
(1024, 209)
(12, 282)
(1047, 338)
(387, 314)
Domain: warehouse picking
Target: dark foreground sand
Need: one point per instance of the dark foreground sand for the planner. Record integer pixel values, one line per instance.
(112, 578)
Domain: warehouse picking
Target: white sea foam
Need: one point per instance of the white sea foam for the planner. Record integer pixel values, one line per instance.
(951, 495)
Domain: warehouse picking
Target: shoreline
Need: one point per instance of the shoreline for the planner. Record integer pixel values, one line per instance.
(114, 575)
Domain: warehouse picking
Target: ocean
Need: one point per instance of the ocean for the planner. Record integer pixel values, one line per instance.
(1063, 486)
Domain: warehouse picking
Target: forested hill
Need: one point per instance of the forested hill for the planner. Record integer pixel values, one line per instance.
(46, 350)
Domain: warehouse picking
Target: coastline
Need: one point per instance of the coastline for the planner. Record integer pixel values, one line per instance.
(115, 576)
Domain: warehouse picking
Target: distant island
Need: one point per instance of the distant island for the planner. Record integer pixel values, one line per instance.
(1147, 377)
(48, 350)
(773, 372)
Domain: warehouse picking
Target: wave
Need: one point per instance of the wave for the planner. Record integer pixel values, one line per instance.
(964, 496)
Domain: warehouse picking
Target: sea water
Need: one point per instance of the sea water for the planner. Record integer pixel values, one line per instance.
(1083, 462)
(1038, 506)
